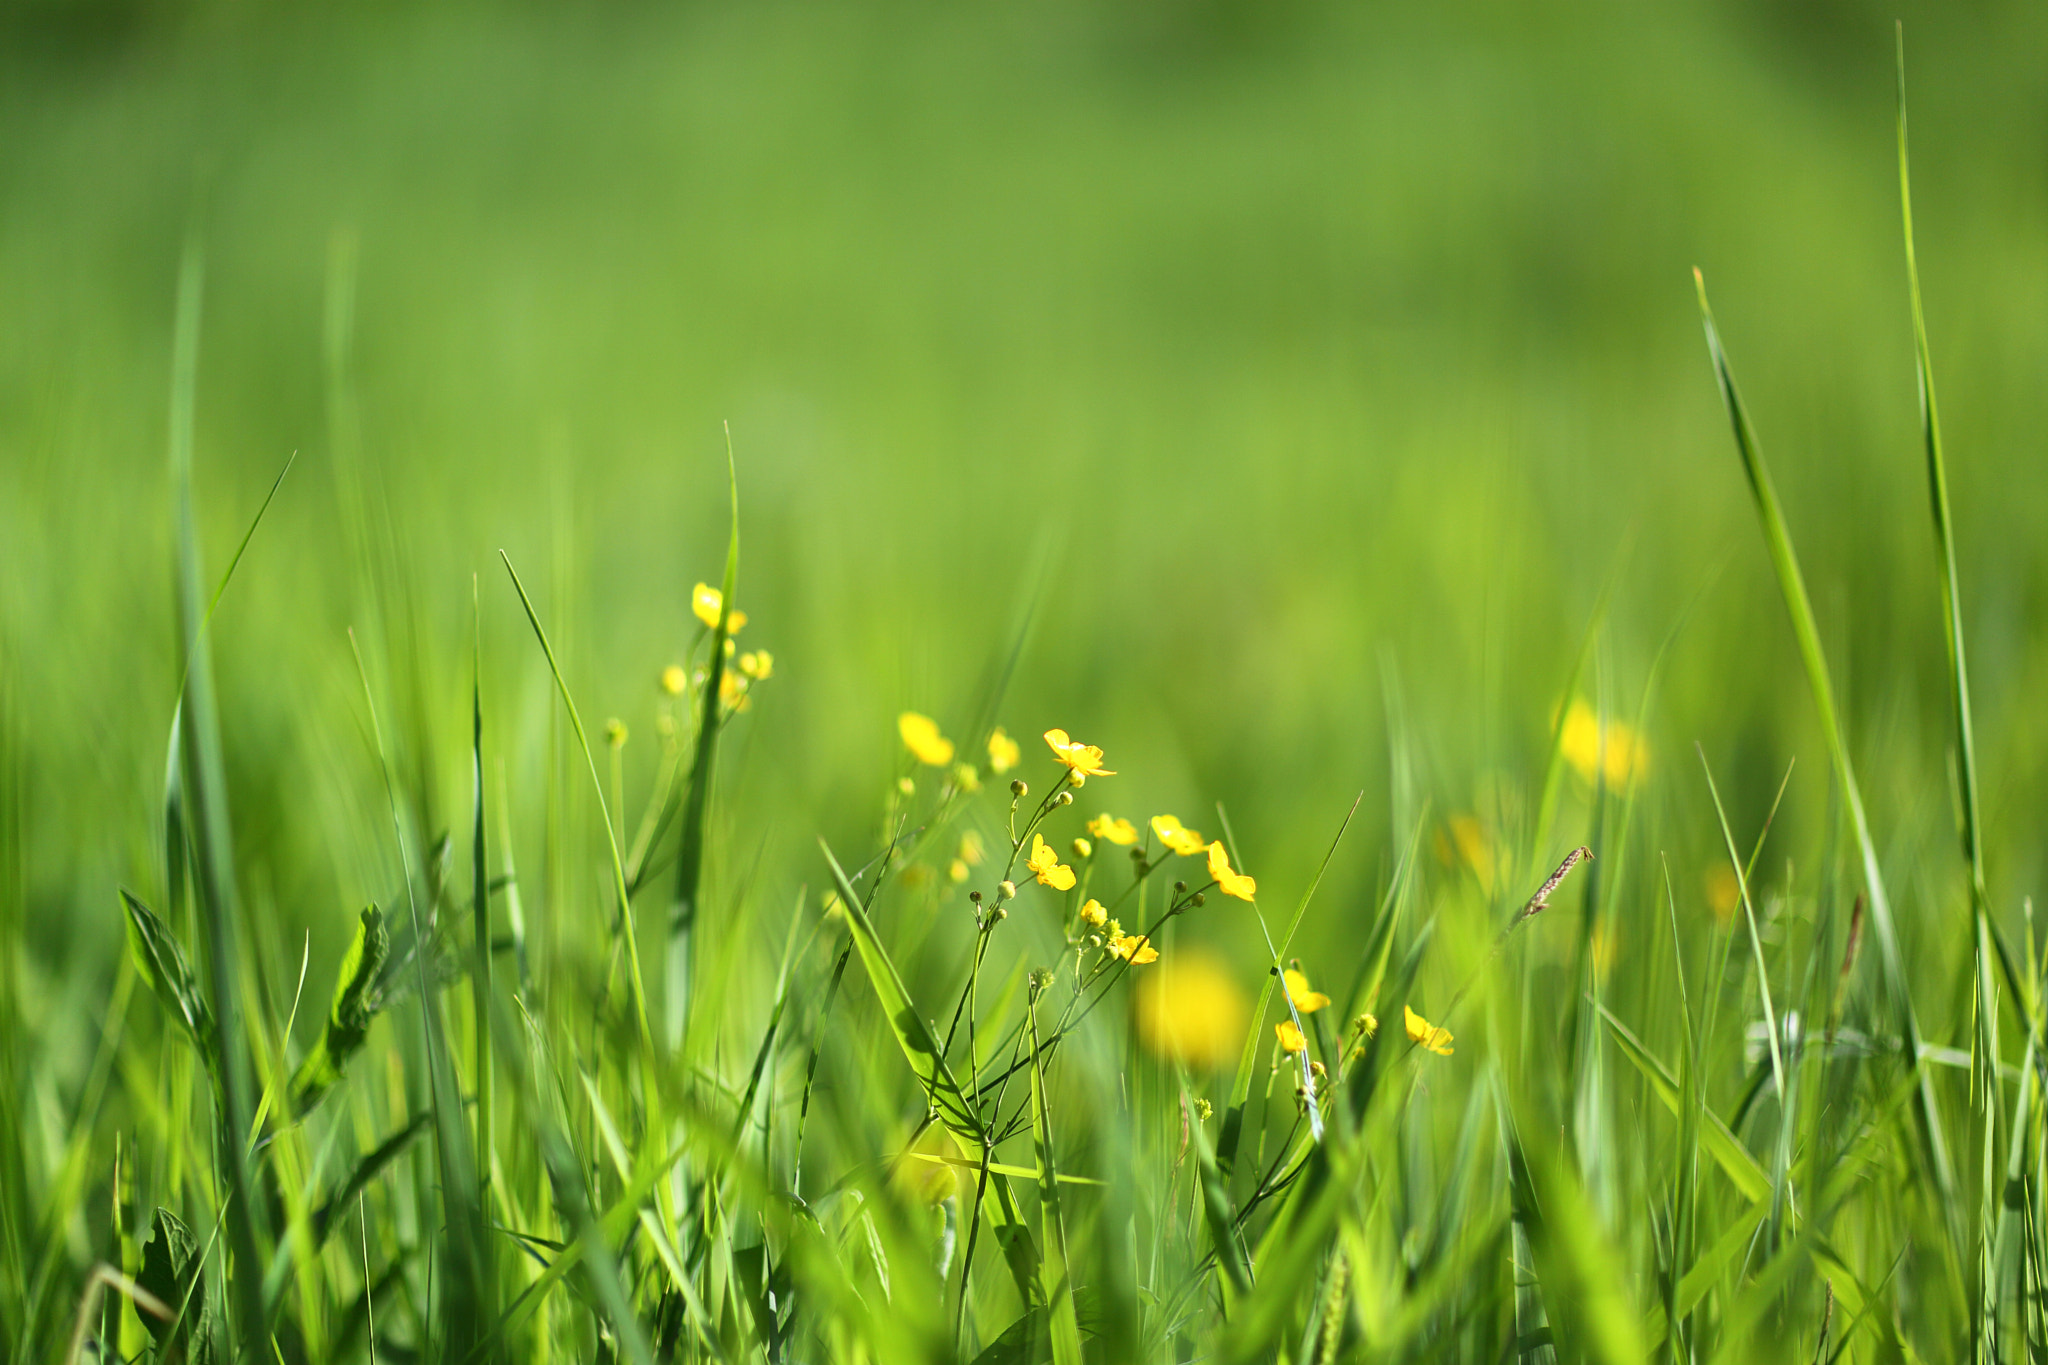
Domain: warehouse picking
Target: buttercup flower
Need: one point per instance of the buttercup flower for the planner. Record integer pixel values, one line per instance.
(674, 680)
(1289, 1036)
(1177, 836)
(1046, 865)
(921, 736)
(1133, 948)
(957, 871)
(1085, 759)
(1428, 1035)
(1117, 831)
(1228, 882)
(1190, 1009)
(1092, 913)
(732, 690)
(1611, 750)
(757, 664)
(1306, 1000)
(1003, 752)
(706, 601)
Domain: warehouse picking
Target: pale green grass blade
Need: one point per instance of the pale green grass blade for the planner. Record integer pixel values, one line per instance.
(1055, 1270)
(1785, 563)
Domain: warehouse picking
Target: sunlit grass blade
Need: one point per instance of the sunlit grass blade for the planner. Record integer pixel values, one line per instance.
(1055, 1270)
(1785, 563)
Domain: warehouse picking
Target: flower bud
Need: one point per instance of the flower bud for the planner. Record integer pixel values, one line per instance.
(1179, 887)
(1077, 777)
(1137, 855)
(1064, 799)
(1083, 849)
(906, 786)
(998, 915)
(1005, 891)
(1019, 788)
(1199, 899)
(974, 896)
(615, 732)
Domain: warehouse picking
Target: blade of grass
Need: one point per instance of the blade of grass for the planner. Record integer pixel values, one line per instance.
(1785, 563)
(1055, 1273)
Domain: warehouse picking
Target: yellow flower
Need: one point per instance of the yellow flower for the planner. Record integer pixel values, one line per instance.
(1083, 849)
(1177, 836)
(921, 736)
(1306, 1000)
(1611, 750)
(1115, 830)
(1191, 1010)
(1428, 1035)
(1092, 913)
(1290, 1036)
(970, 849)
(1475, 848)
(1724, 892)
(1367, 1024)
(674, 680)
(1084, 759)
(757, 664)
(957, 871)
(1133, 948)
(706, 601)
(1003, 752)
(1228, 882)
(1046, 865)
(732, 690)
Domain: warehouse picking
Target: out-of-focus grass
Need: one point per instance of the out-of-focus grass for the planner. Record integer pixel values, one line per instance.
(1285, 385)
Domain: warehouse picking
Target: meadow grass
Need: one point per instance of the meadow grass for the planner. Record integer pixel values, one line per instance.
(597, 1075)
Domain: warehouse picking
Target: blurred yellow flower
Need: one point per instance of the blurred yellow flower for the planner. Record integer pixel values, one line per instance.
(674, 680)
(1724, 892)
(706, 601)
(1191, 1010)
(1084, 759)
(957, 871)
(1228, 882)
(1092, 913)
(732, 690)
(1368, 1024)
(757, 664)
(1177, 836)
(970, 849)
(1613, 750)
(1426, 1034)
(1475, 848)
(966, 778)
(1003, 752)
(921, 736)
(1117, 831)
(1133, 948)
(1306, 1000)
(1045, 864)
(1290, 1036)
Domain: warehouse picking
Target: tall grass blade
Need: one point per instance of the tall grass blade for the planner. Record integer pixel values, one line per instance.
(1792, 584)
(204, 784)
(682, 923)
(1055, 1270)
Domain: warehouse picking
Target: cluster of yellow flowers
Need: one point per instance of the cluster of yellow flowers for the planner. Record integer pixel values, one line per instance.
(736, 681)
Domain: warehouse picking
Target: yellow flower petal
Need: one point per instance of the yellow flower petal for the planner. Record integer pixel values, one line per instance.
(1306, 1000)
(1133, 948)
(1115, 830)
(1425, 1034)
(1003, 752)
(1290, 1036)
(706, 601)
(1228, 882)
(1092, 913)
(921, 736)
(1177, 836)
(757, 664)
(1189, 1009)
(1045, 864)
(1085, 759)
(674, 680)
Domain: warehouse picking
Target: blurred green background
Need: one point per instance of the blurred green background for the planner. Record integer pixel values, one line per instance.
(1257, 354)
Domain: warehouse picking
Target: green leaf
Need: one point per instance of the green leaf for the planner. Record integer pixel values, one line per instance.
(348, 1017)
(172, 1269)
(161, 962)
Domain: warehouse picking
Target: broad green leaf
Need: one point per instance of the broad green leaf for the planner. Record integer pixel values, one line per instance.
(161, 962)
(349, 1014)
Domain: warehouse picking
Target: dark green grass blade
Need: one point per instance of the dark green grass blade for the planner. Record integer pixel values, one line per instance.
(480, 972)
(205, 795)
(1778, 541)
(682, 924)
